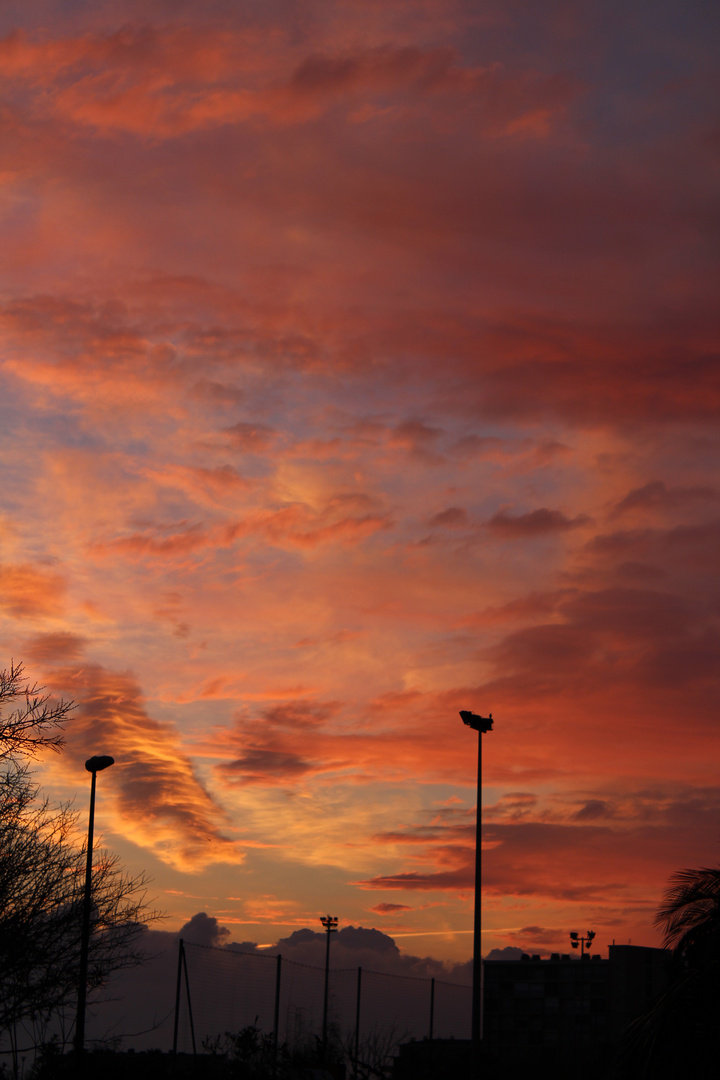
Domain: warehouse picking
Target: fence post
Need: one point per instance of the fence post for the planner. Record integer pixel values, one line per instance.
(177, 996)
(187, 991)
(357, 1021)
(276, 1018)
(431, 1049)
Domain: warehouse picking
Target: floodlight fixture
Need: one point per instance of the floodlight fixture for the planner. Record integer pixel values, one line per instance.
(482, 724)
(579, 941)
(330, 922)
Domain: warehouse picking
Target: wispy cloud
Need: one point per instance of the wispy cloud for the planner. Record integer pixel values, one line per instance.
(160, 801)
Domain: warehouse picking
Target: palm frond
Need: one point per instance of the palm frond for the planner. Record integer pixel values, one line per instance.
(690, 909)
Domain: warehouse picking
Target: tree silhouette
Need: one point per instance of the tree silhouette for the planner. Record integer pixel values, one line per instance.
(679, 1035)
(42, 873)
(689, 915)
(35, 721)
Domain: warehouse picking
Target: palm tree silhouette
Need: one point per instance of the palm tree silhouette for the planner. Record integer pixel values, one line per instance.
(679, 1034)
(689, 915)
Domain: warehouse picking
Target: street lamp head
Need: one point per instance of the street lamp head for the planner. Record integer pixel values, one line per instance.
(97, 764)
(477, 723)
(329, 922)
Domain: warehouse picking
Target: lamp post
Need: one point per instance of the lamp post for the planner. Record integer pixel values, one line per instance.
(481, 724)
(93, 765)
(331, 924)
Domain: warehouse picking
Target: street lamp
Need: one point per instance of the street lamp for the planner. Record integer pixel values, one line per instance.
(93, 765)
(331, 924)
(482, 725)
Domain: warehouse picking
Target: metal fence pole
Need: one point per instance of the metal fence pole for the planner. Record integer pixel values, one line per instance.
(357, 1020)
(177, 996)
(276, 1018)
(187, 991)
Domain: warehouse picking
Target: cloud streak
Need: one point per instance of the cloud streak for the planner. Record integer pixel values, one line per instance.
(159, 799)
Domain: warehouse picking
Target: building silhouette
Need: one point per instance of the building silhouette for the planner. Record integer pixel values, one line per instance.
(564, 1011)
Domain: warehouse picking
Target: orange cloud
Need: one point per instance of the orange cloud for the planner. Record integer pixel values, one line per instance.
(139, 546)
(159, 798)
(170, 81)
(301, 526)
(60, 647)
(28, 590)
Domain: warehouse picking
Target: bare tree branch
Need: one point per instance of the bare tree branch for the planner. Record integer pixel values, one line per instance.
(35, 723)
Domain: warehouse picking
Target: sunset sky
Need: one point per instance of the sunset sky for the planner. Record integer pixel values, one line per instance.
(358, 365)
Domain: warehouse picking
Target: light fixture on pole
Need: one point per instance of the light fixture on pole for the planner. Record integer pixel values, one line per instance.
(93, 765)
(577, 941)
(481, 724)
(331, 924)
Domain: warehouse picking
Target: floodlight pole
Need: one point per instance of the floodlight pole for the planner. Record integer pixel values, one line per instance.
(331, 924)
(482, 725)
(576, 939)
(93, 765)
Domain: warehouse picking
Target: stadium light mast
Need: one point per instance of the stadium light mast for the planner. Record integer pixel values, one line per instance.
(576, 940)
(93, 765)
(331, 924)
(482, 725)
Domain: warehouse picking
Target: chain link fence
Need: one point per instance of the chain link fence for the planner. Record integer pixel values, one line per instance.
(225, 990)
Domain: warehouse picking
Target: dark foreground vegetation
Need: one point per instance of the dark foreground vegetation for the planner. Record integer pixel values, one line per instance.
(247, 1055)
(42, 881)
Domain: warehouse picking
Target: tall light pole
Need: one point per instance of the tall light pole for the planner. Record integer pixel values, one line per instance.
(331, 924)
(481, 724)
(93, 765)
